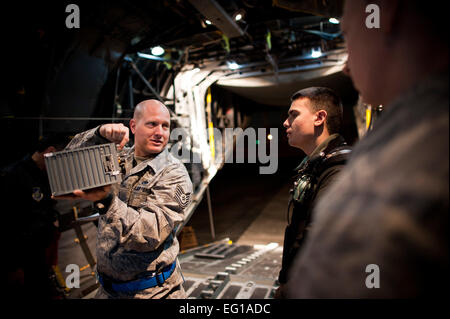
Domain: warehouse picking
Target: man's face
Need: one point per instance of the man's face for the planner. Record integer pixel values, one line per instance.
(365, 52)
(299, 125)
(151, 130)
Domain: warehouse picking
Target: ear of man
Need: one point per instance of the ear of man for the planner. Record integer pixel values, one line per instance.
(320, 117)
(133, 125)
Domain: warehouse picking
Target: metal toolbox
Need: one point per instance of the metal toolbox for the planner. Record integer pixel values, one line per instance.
(82, 168)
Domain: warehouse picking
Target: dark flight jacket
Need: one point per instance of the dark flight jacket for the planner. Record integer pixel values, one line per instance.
(319, 170)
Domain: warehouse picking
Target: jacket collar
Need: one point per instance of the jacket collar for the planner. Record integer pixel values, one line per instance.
(156, 163)
(331, 142)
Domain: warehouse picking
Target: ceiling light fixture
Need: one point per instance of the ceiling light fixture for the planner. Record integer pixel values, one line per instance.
(333, 21)
(239, 15)
(208, 22)
(158, 50)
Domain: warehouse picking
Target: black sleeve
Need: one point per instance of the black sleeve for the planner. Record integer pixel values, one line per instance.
(327, 178)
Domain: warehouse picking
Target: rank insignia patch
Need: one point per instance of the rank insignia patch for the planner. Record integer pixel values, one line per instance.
(181, 197)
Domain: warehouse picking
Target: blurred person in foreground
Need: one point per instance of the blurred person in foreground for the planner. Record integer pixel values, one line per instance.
(381, 231)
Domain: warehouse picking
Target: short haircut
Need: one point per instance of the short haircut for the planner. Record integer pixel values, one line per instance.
(326, 99)
(58, 141)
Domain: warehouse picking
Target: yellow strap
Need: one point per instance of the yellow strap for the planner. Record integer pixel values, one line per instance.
(368, 116)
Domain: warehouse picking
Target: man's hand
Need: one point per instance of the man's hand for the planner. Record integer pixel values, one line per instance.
(116, 133)
(94, 194)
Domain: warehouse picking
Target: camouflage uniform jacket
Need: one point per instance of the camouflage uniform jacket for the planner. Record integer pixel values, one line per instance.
(136, 235)
(389, 208)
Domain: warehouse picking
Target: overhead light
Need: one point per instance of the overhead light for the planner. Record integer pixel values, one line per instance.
(208, 22)
(233, 65)
(333, 20)
(158, 50)
(239, 15)
(269, 137)
(316, 53)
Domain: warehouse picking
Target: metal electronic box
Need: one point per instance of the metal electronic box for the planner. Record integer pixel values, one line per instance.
(82, 168)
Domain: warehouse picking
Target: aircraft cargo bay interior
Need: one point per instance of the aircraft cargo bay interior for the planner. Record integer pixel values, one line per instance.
(211, 149)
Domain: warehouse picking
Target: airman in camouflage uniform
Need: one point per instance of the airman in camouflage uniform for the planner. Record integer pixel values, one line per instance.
(139, 217)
